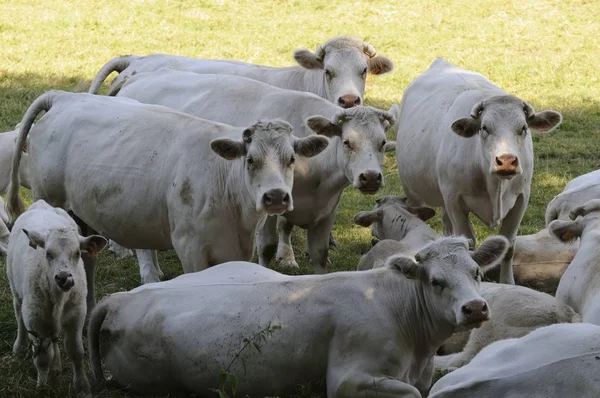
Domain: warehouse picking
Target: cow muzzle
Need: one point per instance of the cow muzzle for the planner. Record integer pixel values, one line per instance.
(276, 201)
(64, 280)
(475, 312)
(369, 182)
(349, 101)
(506, 166)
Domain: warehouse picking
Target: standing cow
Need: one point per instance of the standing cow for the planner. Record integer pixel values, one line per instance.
(354, 157)
(150, 177)
(466, 147)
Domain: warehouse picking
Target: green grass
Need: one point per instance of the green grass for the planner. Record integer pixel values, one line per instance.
(546, 52)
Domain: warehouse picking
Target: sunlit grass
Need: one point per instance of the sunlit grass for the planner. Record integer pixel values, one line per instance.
(546, 52)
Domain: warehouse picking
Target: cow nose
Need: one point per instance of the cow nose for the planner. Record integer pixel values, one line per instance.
(370, 181)
(348, 101)
(476, 311)
(64, 280)
(506, 165)
(276, 201)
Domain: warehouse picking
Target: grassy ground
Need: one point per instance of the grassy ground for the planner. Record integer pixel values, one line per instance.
(544, 51)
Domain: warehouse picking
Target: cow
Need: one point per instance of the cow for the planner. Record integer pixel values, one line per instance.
(8, 141)
(354, 157)
(552, 362)
(576, 193)
(336, 71)
(579, 285)
(150, 177)
(467, 148)
(4, 231)
(374, 343)
(48, 283)
(539, 261)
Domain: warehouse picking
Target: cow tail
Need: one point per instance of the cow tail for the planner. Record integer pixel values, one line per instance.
(395, 110)
(96, 320)
(118, 64)
(14, 202)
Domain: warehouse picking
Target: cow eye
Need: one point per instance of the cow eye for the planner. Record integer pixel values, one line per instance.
(524, 130)
(438, 283)
(383, 144)
(292, 160)
(49, 256)
(364, 72)
(249, 161)
(484, 129)
(328, 73)
(77, 253)
(347, 144)
(477, 275)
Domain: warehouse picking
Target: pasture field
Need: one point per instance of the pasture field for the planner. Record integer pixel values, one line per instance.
(546, 52)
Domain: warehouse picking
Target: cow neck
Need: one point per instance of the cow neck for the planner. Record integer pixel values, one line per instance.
(314, 82)
(289, 78)
(425, 333)
(407, 230)
(334, 163)
(495, 188)
(243, 203)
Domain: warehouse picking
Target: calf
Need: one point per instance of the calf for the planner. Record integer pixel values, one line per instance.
(552, 362)
(377, 342)
(579, 286)
(152, 178)
(48, 283)
(467, 147)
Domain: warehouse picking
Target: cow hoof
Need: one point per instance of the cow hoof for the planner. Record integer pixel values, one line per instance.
(332, 241)
(287, 262)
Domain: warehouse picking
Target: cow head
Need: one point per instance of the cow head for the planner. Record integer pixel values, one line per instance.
(450, 276)
(269, 150)
(393, 218)
(62, 249)
(502, 123)
(344, 62)
(585, 218)
(361, 141)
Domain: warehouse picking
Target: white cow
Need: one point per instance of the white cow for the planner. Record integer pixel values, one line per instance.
(354, 157)
(8, 142)
(4, 232)
(576, 193)
(336, 71)
(579, 287)
(150, 177)
(539, 261)
(372, 343)
(556, 361)
(466, 147)
(48, 283)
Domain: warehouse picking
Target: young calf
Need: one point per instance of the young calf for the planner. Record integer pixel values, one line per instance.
(48, 282)
(378, 341)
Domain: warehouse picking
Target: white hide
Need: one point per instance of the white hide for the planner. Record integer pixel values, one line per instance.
(576, 193)
(8, 142)
(556, 361)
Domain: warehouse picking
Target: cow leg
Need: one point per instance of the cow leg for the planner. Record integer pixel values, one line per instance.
(285, 251)
(509, 228)
(317, 241)
(118, 250)
(89, 264)
(194, 254)
(459, 218)
(424, 382)
(22, 338)
(56, 364)
(149, 270)
(353, 384)
(447, 224)
(266, 241)
(74, 348)
(43, 359)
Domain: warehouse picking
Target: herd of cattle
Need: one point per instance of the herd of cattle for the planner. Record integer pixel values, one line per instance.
(221, 159)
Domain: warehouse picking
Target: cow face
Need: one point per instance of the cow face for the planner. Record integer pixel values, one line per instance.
(393, 218)
(361, 143)
(344, 63)
(269, 150)
(63, 253)
(450, 277)
(502, 124)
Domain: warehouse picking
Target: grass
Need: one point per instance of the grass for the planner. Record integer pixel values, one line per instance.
(546, 52)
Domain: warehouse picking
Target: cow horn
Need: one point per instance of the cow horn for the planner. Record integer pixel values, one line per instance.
(477, 109)
(388, 116)
(247, 135)
(320, 53)
(338, 118)
(528, 110)
(369, 50)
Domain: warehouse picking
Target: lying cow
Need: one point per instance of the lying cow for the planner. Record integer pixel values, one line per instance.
(576, 193)
(336, 71)
(316, 328)
(150, 177)
(539, 261)
(579, 287)
(552, 362)
(466, 147)
(354, 157)
(48, 283)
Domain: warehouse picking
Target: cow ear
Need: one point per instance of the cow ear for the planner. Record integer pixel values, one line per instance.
(424, 213)
(308, 59)
(466, 127)
(588, 207)
(92, 244)
(379, 65)
(366, 218)
(310, 146)
(545, 121)
(491, 251)
(227, 148)
(322, 125)
(566, 230)
(390, 146)
(35, 239)
(404, 264)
